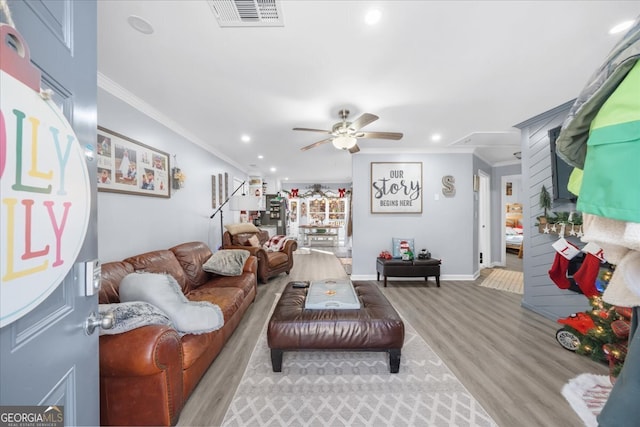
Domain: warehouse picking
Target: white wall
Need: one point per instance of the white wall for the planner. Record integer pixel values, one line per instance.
(516, 187)
(131, 224)
(445, 227)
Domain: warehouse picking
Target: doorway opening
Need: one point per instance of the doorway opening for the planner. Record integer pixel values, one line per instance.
(511, 242)
(484, 220)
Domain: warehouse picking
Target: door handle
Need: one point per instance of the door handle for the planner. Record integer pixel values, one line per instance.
(98, 321)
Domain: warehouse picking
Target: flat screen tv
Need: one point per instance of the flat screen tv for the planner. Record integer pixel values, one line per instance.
(560, 171)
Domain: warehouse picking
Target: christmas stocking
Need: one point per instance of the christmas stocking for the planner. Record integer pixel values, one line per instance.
(564, 252)
(588, 273)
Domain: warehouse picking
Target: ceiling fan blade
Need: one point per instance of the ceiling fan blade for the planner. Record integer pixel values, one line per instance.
(363, 120)
(380, 135)
(315, 144)
(354, 149)
(313, 130)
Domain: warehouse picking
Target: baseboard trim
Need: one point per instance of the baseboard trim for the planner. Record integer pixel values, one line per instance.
(538, 310)
(459, 277)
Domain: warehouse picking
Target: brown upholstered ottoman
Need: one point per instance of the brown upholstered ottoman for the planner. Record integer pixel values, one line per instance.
(375, 326)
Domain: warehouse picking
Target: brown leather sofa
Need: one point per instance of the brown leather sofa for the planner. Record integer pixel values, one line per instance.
(269, 263)
(147, 374)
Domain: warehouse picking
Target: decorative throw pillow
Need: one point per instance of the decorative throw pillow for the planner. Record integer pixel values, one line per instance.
(276, 243)
(227, 262)
(400, 246)
(241, 239)
(132, 315)
(164, 292)
(254, 241)
(243, 227)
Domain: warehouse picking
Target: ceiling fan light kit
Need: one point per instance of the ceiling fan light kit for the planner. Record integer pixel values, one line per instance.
(344, 142)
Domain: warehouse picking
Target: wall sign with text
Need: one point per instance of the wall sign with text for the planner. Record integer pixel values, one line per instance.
(396, 187)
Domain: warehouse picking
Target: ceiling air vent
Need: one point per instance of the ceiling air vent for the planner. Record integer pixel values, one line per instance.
(247, 13)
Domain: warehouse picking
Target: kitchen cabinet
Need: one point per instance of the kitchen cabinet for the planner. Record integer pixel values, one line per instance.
(326, 211)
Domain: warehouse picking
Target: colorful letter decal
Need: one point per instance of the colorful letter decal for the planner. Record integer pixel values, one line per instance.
(45, 198)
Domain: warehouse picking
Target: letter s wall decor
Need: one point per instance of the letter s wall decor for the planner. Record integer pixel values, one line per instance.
(448, 187)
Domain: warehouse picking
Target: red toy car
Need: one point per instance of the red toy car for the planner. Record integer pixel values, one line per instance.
(581, 322)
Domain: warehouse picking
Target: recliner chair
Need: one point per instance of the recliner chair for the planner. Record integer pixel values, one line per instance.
(269, 263)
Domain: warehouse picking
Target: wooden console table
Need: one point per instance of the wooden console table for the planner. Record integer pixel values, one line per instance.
(319, 233)
(426, 268)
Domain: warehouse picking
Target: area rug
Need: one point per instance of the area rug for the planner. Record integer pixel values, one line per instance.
(505, 280)
(332, 388)
(587, 394)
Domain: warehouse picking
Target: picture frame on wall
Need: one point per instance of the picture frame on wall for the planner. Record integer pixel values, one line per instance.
(214, 197)
(226, 186)
(127, 166)
(396, 187)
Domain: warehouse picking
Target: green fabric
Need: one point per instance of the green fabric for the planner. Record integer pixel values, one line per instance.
(611, 180)
(575, 181)
(611, 175)
(622, 132)
(622, 106)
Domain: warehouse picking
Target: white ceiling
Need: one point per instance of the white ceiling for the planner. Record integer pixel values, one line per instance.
(466, 70)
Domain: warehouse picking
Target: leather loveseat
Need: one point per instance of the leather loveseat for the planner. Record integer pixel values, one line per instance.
(147, 374)
(270, 263)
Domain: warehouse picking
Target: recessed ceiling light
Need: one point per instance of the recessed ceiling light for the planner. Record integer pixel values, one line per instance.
(373, 17)
(273, 169)
(436, 137)
(245, 138)
(621, 27)
(260, 156)
(286, 178)
(140, 24)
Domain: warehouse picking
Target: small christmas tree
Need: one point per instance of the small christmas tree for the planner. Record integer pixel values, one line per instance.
(545, 203)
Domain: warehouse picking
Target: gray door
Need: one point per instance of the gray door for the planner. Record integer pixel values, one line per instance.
(46, 357)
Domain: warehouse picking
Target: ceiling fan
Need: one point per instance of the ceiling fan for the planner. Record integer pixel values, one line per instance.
(344, 134)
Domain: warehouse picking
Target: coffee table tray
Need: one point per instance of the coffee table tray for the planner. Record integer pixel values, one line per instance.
(331, 293)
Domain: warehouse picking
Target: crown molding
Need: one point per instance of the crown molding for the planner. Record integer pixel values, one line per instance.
(111, 87)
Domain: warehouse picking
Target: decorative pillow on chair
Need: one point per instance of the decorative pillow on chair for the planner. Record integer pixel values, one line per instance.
(243, 227)
(227, 262)
(164, 292)
(400, 246)
(132, 315)
(276, 243)
(241, 239)
(254, 241)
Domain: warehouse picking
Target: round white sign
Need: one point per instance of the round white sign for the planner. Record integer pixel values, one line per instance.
(45, 198)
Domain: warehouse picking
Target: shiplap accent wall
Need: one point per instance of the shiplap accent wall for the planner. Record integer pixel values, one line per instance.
(540, 293)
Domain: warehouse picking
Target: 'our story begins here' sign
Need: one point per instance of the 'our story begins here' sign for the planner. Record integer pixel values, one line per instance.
(396, 187)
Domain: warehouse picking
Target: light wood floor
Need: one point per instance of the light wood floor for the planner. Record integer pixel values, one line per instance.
(505, 355)
(513, 263)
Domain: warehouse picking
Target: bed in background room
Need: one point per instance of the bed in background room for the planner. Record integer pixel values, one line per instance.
(513, 228)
